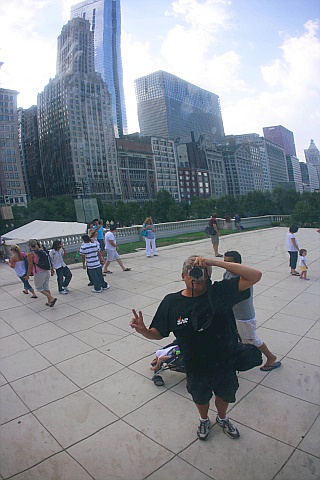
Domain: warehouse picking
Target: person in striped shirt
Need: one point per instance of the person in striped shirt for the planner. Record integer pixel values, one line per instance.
(92, 259)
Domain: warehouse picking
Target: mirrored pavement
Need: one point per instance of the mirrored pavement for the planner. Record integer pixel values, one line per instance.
(77, 400)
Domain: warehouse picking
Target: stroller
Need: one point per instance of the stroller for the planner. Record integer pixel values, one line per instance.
(173, 361)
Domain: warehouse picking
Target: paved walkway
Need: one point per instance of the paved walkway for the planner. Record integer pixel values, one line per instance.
(76, 398)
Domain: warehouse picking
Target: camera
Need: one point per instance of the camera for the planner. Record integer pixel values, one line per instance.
(197, 273)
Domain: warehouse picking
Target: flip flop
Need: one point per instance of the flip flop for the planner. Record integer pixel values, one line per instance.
(108, 271)
(26, 292)
(34, 296)
(271, 367)
(127, 269)
(53, 302)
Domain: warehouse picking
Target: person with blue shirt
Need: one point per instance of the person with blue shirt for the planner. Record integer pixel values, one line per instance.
(99, 227)
(150, 239)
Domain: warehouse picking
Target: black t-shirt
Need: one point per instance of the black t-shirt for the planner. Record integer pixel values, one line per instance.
(210, 348)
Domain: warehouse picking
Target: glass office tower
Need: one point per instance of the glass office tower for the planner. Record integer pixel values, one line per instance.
(170, 107)
(281, 136)
(105, 21)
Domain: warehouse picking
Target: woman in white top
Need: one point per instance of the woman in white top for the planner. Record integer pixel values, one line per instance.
(18, 262)
(150, 237)
(292, 249)
(63, 273)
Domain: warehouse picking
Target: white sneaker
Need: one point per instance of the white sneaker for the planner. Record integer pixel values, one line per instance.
(63, 292)
(96, 291)
(107, 287)
(66, 289)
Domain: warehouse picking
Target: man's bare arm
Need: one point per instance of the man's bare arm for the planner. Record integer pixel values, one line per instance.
(248, 275)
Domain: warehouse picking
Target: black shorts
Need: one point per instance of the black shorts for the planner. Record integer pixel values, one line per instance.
(223, 383)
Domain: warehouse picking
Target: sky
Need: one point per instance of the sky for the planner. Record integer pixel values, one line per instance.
(262, 57)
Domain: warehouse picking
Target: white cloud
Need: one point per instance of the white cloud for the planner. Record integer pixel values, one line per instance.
(208, 15)
(291, 96)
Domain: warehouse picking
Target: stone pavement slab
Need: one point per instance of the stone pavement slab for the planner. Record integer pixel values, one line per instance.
(78, 403)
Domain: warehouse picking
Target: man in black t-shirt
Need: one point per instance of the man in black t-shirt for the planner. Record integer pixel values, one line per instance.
(201, 318)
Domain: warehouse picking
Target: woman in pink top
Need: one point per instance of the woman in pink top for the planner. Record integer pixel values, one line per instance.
(41, 277)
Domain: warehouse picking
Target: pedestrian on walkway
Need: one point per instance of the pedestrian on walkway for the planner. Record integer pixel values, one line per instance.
(215, 237)
(98, 226)
(204, 335)
(64, 274)
(92, 259)
(112, 250)
(303, 263)
(19, 263)
(150, 238)
(293, 249)
(41, 275)
(244, 314)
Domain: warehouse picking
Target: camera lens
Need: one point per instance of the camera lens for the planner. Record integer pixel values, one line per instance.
(197, 273)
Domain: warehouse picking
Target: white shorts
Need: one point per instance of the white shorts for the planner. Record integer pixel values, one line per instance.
(112, 255)
(247, 332)
(41, 280)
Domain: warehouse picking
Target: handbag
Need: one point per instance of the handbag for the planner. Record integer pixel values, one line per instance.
(246, 356)
(210, 231)
(144, 233)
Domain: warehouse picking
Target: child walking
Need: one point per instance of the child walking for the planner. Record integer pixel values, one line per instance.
(303, 263)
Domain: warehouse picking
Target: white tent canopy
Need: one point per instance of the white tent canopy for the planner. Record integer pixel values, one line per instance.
(42, 229)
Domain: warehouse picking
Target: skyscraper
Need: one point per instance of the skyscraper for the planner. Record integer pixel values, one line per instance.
(312, 156)
(12, 190)
(170, 107)
(105, 22)
(281, 136)
(76, 136)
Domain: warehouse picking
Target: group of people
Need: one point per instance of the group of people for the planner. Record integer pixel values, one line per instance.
(107, 242)
(293, 250)
(41, 264)
(207, 321)
(202, 316)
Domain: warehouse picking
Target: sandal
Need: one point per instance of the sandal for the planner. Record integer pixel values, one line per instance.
(295, 274)
(34, 296)
(53, 302)
(127, 269)
(25, 291)
(108, 271)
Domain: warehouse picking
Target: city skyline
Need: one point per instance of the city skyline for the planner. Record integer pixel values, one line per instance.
(261, 59)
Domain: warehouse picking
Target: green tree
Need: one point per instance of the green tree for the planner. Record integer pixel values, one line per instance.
(305, 214)
(284, 200)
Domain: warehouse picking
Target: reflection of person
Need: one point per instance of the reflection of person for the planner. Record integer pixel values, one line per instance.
(150, 239)
(41, 277)
(111, 247)
(227, 220)
(293, 249)
(17, 262)
(98, 226)
(204, 333)
(246, 320)
(2, 253)
(237, 221)
(92, 256)
(303, 263)
(63, 272)
(215, 238)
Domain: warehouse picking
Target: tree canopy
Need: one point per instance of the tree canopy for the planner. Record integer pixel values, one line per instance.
(304, 208)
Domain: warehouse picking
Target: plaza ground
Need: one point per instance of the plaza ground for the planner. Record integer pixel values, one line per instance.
(77, 402)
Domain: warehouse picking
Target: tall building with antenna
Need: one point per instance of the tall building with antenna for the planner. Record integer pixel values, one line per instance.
(105, 23)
